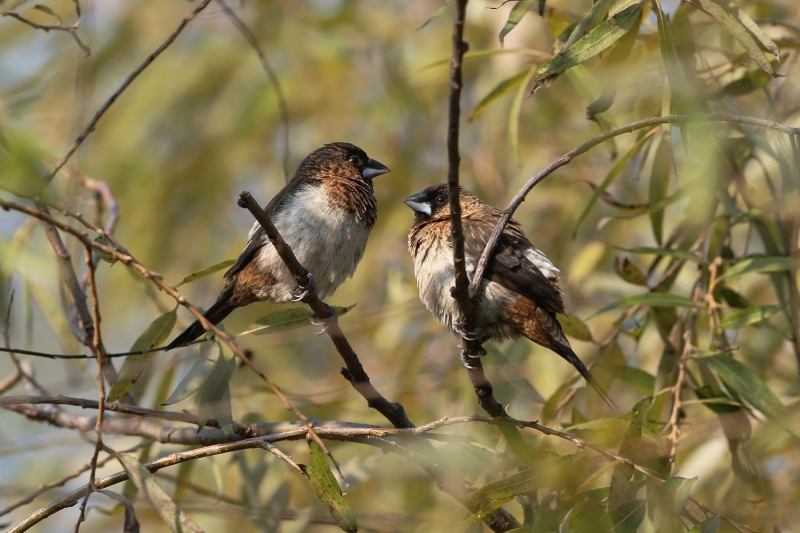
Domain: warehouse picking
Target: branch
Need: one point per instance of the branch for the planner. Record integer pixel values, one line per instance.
(355, 372)
(591, 143)
(283, 109)
(91, 126)
(72, 29)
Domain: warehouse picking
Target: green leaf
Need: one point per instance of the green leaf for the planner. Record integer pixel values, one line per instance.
(738, 23)
(521, 482)
(665, 252)
(659, 186)
(751, 315)
(517, 12)
(628, 516)
(536, 55)
(574, 327)
(513, 117)
(503, 88)
(192, 381)
(155, 334)
(636, 378)
(652, 299)
(629, 271)
(709, 525)
(598, 11)
(733, 298)
(286, 320)
(439, 12)
(175, 519)
(679, 489)
(327, 489)
(214, 395)
(746, 383)
(600, 38)
(761, 264)
(206, 271)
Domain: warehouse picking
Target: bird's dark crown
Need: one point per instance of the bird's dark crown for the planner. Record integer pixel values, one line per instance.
(433, 203)
(341, 160)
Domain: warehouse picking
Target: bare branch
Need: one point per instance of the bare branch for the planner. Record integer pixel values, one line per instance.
(72, 29)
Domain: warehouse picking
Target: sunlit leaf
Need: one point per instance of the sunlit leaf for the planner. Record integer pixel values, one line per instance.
(600, 38)
(659, 186)
(635, 377)
(517, 12)
(737, 23)
(745, 317)
(574, 327)
(522, 482)
(206, 271)
(652, 299)
(439, 12)
(629, 271)
(535, 55)
(679, 489)
(592, 17)
(155, 334)
(287, 319)
(324, 484)
(173, 517)
(513, 117)
(761, 264)
(503, 88)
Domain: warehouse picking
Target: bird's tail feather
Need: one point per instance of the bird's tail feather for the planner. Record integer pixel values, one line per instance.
(566, 353)
(215, 314)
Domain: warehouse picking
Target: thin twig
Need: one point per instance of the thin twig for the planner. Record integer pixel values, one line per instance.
(47, 355)
(283, 109)
(93, 123)
(71, 29)
(591, 143)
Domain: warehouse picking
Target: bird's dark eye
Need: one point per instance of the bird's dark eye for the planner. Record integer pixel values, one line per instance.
(355, 160)
(441, 199)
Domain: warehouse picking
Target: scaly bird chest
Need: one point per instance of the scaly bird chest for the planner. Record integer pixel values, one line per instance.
(327, 239)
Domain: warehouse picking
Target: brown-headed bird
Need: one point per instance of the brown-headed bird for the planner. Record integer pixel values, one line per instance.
(519, 295)
(325, 214)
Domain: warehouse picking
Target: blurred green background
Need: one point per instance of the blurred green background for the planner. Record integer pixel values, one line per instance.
(201, 124)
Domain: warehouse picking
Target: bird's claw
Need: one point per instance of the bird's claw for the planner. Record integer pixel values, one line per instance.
(467, 358)
(300, 297)
(326, 322)
(466, 334)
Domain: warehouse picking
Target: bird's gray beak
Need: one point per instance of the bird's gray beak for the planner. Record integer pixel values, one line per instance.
(419, 203)
(373, 169)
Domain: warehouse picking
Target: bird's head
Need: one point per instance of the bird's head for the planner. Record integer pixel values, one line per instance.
(341, 160)
(432, 204)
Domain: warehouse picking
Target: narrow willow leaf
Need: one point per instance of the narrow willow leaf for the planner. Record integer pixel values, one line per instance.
(750, 81)
(287, 319)
(321, 465)
(751, 315)
(503, 88)
(175, 519)
(593, 16)
(612, 175)
(629, 271)
(155, 334)
(761, 264)
(679, 488)
(575, 327)
(131, 524)
(206, 271)
(617, 56)
(628, 516)
(709, 525)
(652, 299)
(636, 378)
(328, 491)
(666, 252)
(732, 20)
(746, 383)
(513, 117)
(659, 186)
(521, 482)
(600, 38)
(733, 298)
(192, 381)
(212, 393)
(517, 12)
(622, 490)
(535, 55)
(439, 12)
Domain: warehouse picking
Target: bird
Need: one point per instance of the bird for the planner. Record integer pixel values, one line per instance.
(324, 213)
(519, 295)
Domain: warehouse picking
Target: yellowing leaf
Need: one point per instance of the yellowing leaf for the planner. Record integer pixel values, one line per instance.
(206, 271)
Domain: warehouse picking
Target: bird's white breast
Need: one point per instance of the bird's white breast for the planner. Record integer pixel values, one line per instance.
(326, 239)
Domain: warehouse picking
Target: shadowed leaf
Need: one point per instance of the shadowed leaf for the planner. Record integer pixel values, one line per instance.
(659, 186)
(214, 395)
(155, 334)
(131, 524)
(517, 12)
(636, 378)
(192, 381)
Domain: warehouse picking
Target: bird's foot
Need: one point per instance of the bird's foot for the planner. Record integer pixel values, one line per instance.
(298, 296)
(325, 322)
(467, 335)
(469, 360)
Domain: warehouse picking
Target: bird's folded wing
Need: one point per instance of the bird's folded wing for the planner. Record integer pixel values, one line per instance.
(509, 267)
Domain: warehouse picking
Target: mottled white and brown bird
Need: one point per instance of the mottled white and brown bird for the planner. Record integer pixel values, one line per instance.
(325, 214)
(519, 295)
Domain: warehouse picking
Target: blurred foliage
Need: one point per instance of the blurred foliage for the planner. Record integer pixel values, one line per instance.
(679, 261)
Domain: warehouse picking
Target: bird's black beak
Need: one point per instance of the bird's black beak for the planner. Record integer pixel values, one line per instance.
(373, 169)
(419, 203)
